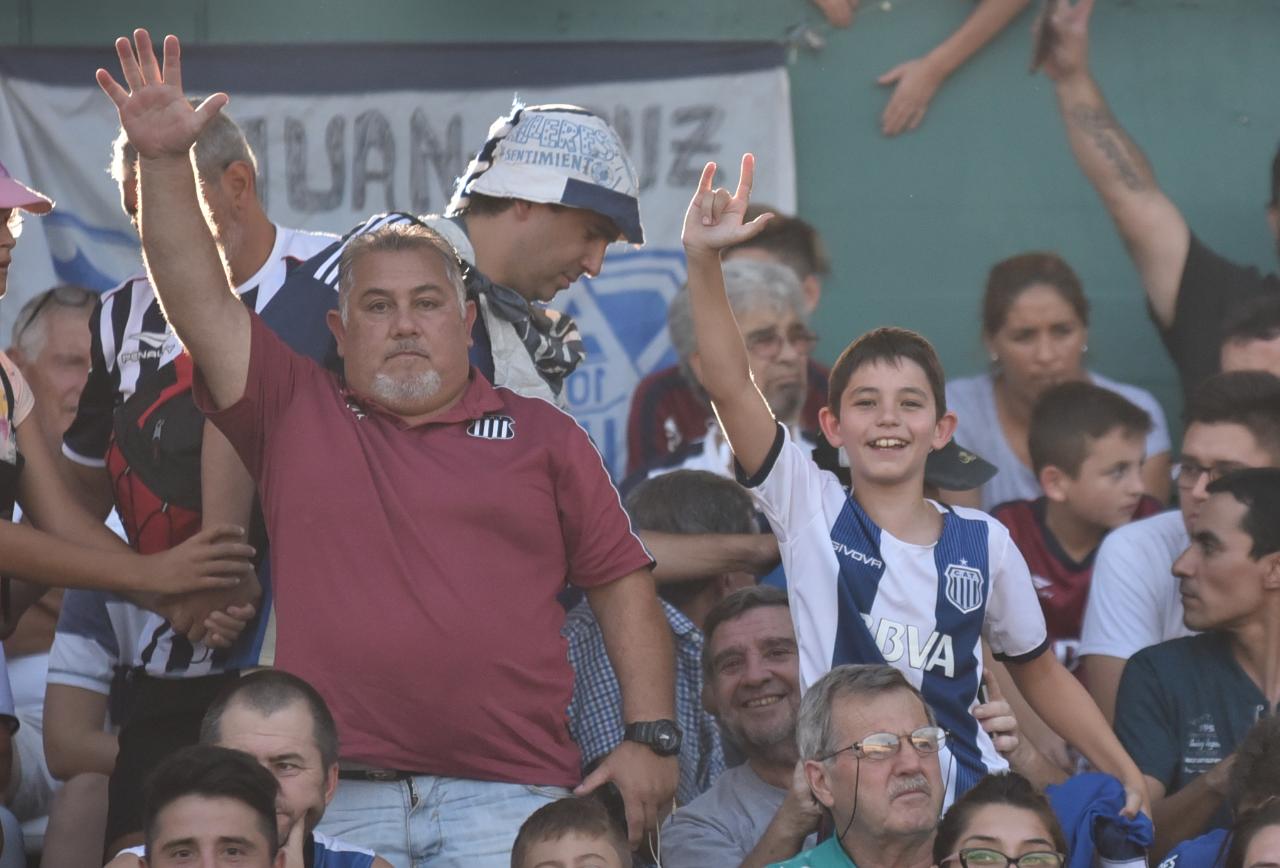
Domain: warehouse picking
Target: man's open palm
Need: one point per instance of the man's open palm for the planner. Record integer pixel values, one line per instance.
(714, 219)
(154, 111)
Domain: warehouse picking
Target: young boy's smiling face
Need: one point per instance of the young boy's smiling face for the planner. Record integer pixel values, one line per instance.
(888, 422)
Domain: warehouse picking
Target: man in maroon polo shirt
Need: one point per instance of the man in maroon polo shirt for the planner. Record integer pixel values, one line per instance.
(421, 521)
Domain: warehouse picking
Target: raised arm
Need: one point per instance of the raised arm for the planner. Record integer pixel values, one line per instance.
(712, 223)
(1150, 224)
(916, 81)
(179, 250)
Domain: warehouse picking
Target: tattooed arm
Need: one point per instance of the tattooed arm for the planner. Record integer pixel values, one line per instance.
(1154, 231)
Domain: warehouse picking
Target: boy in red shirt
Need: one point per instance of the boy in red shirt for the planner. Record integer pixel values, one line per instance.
(1087, 448)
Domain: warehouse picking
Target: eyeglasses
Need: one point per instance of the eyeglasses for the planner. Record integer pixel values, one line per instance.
(14, 222)
(981, 857)
(68, 295)
(882, 745)
(1189, 472)
(767, 344)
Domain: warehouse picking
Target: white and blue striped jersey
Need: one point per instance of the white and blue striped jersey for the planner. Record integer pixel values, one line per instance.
(859, 595)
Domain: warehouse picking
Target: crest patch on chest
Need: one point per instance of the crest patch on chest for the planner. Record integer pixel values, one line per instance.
(493, 428)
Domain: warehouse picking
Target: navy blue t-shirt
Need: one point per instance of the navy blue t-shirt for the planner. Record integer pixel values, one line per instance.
(1184, 706)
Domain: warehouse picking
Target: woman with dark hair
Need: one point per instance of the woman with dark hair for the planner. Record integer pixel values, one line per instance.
(1255, 839)
(1035, 327)
(1003, 820)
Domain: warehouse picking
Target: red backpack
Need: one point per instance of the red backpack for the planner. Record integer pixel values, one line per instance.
(154, 459)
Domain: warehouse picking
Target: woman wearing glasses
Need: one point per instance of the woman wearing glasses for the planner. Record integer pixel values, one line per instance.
(1002, 822)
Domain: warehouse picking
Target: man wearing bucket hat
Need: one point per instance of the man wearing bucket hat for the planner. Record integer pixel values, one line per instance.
(547, 192)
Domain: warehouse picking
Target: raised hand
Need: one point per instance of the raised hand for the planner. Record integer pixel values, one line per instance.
(839, 13)
(1062, 28)
(714, 219)
(154, 111)
(915, 82)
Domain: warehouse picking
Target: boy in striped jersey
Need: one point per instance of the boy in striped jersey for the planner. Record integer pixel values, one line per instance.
(883, 575)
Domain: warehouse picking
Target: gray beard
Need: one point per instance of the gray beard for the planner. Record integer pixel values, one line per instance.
(395, 393)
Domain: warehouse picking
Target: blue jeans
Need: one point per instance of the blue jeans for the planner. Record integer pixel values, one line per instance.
(435, 822)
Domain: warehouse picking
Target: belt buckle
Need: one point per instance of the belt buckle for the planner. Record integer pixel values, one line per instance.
(382, 775)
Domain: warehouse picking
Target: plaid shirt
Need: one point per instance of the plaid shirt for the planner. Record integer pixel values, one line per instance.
(595, 712)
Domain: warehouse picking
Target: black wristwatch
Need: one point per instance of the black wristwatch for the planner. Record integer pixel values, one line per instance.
(660, 736)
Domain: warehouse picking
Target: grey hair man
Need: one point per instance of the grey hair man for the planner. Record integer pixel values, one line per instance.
(870, 747)
(768, 305)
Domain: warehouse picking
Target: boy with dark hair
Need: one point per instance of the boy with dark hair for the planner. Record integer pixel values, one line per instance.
(204, 800)
(565, 831)
(1087, 446)
(880, 574)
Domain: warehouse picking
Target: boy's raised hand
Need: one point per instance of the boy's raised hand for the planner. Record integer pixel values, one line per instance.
(154, 111)
(714, 219)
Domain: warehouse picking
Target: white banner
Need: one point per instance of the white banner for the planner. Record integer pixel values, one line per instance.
(329, 159)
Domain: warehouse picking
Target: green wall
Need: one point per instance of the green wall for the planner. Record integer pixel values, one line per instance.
(914, 222)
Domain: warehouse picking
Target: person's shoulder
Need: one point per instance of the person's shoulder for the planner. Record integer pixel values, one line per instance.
(826, 855)
(336, 853)
(1134, 394)
(302, 244)
(1202, 852)
(995, 528)
(1012, 511)
(966, 389)
(660, 383)
(1163, 530)
(1183, 654)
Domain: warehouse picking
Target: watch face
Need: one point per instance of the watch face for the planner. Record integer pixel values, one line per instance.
(666, 737)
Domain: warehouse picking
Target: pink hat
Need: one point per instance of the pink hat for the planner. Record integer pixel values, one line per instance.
(14, 194)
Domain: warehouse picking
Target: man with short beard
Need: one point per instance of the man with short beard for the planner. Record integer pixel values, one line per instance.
(430, 527)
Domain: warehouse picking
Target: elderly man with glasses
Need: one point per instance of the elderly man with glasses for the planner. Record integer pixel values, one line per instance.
(871, 750)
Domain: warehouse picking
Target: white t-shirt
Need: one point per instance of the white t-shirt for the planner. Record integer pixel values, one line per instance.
(859, 595)
(1133, 599)
(973, 400)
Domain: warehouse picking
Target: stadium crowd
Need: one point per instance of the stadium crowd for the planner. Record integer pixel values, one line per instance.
(289, 583)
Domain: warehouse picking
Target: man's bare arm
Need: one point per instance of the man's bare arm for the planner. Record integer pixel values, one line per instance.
(1102, 674)
(91, 486)
(1188, 812)
(714, 222)
(682, 557)
(638, 641)
(179, 249)
(1151, 226)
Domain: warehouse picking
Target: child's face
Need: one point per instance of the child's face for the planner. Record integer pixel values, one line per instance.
(888, 423)
(575, 850)
(1107, 489)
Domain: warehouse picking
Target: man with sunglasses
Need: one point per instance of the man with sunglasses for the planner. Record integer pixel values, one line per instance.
(1233, 422)
(871, 750)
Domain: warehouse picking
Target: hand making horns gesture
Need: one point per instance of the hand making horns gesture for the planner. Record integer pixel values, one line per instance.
(714, 219)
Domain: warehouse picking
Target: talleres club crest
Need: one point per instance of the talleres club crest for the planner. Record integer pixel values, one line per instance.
(964, 586)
